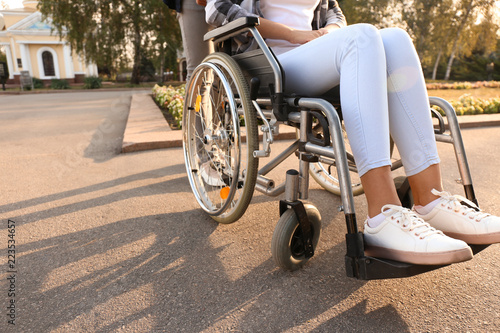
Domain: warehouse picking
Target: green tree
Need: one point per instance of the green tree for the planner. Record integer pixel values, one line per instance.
(428, 23)
(439, 28)
(3, 57)
(381, 13)
(110, 32)
(465, 30)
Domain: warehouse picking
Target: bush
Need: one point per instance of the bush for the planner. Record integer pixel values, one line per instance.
(171, 99)
(92, 82)
(469, 105)
(59, 84)
(37, 83)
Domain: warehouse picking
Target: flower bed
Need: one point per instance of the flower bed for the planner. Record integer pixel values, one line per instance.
(171, 100)
(463, 85)
(467, 104)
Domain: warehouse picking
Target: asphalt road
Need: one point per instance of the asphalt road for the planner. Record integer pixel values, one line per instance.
(109, 242)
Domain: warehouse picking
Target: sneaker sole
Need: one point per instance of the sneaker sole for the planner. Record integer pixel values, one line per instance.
(436, 258)
(475, 239)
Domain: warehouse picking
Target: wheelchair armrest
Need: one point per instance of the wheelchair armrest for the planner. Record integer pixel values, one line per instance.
(232, 28)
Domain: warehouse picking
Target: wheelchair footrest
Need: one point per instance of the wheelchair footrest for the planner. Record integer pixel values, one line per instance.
(369, 268)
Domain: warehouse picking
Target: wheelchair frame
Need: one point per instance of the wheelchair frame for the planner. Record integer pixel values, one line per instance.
(261, 66)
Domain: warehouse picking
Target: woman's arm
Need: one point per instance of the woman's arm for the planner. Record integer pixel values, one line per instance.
(273, 30)
(334, 15)
(220, 12)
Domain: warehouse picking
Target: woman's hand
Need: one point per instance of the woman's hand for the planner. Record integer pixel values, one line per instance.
(329, 28)
(273, 30)
(304, 36)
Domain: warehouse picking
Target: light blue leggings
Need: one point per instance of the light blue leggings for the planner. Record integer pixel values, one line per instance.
(382, 91)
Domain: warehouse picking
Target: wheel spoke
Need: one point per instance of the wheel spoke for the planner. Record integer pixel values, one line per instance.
(213, 137)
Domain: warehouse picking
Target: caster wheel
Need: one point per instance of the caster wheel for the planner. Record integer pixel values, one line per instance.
(404, 191)
(287, 245)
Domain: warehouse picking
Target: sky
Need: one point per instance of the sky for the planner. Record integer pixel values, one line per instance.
(13, 3)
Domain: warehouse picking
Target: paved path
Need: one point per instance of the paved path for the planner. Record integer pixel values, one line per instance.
(115, 242)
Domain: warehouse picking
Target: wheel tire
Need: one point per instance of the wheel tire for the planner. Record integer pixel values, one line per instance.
(406, 198)
(329, 181)
(286, 244)
(217, 101)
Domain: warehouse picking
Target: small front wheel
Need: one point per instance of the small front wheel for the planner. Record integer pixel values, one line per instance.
(287, 246)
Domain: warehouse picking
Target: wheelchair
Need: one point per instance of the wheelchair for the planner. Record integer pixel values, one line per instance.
(228, 98)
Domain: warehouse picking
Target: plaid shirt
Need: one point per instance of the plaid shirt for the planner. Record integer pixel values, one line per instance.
(220, 12)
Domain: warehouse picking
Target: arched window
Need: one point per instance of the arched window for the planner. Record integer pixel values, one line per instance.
(48, 63)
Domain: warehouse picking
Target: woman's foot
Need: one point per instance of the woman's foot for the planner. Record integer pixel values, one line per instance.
(404, 237)
(459, 218)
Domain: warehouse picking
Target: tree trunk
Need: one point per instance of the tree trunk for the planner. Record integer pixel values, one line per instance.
(457, 37)
(436, 64)
(136, 72)
(450, 63)
(162, 61)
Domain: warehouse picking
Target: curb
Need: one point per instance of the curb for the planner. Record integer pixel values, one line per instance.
(147, 128)
(68, 91)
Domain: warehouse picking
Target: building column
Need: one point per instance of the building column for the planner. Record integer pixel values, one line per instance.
(14, 56)
(10, 63)
(25, 58)
(68, 62)
(91, 69)
(79, 73)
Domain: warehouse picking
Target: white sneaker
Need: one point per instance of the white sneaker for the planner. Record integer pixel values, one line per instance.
(404, 237)
(462, 222)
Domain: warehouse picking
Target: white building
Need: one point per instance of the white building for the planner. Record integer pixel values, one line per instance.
(30, 46)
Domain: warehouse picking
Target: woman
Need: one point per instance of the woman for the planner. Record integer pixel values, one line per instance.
(383, 93)
(193, 27)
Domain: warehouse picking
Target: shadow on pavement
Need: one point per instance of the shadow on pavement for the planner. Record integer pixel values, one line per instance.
(166, 266)
(181, 271)
(170, 186)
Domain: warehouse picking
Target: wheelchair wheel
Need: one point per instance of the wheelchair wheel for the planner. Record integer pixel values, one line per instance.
(219, 137)
(287, 246)
(326, 174)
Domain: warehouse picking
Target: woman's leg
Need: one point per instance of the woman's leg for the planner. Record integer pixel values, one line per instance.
(193, 28)
(423, 183)
(409, 111)
(413, 133)
(355, 57)
(379, 189)
(409, 115)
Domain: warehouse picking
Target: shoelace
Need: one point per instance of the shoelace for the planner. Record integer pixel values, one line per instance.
(409, 221)
(454, 202)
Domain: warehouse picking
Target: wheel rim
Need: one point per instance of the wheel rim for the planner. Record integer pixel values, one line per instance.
(212, 140)
(321, 172)
(297, 243)
(228, 202)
